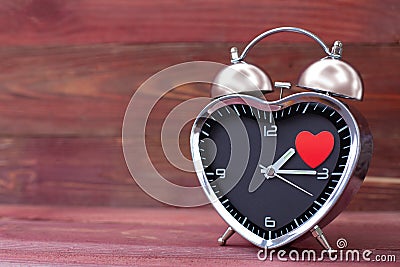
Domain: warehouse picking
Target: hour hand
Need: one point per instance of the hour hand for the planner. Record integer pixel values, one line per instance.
(283, 159)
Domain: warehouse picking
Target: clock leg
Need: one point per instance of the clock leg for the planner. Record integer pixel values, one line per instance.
(228, 233)
(319, 235)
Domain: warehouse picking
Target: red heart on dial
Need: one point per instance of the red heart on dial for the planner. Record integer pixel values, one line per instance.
(314, 149)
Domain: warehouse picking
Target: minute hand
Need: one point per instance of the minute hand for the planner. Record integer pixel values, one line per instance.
(300, 172)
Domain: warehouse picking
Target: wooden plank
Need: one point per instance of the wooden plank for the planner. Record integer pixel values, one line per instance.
(92, 171)
(110, 236)
(121, 21)
(85, 90)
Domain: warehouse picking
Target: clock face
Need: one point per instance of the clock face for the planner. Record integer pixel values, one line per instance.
(274, 170)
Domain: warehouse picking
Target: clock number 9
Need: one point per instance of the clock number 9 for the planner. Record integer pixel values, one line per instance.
(220, 173)
(270, 132)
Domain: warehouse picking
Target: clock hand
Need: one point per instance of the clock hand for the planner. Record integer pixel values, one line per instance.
(292, 184)
(304, 172)
(257, 181)
(283, 159)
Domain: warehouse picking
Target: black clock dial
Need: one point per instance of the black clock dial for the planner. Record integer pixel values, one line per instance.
(274, 193)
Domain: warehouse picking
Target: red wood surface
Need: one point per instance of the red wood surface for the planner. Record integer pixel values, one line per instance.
(55, 22)
(69, 68)
(85, 90)
(92, 171)
(62, 110)
(33, 235)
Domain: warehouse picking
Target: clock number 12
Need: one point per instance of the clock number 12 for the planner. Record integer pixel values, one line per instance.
(270, 132)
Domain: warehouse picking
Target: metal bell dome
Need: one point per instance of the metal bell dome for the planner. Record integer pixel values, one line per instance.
(334, 76)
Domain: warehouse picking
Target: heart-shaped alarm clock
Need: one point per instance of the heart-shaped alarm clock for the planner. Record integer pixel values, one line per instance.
(276, 170)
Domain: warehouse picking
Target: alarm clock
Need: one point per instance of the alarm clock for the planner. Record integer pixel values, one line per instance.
(277, 170)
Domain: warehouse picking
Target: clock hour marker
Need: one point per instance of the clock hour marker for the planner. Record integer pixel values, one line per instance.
(237, 112)
(251, 110)
(226, 200)
(219, 112)
(316, 202)
(342, 129)
(304, 111)
(243, 109)
(227, 110)
(205, 133)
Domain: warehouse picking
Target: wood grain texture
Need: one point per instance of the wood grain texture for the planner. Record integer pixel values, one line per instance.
(69, 68)
(91, 171)
(84, 91)
(165, 236)
(55, 22)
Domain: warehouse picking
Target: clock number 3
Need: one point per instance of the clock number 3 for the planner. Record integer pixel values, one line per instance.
(269, 222)
(270, 132)
(323, 175)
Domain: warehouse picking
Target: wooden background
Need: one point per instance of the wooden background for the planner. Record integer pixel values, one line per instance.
(69, 68)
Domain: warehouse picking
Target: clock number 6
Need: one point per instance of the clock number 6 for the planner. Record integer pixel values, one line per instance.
(271, 132)
(269, 222)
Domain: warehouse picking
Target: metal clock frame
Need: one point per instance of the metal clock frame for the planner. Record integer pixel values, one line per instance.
(349, 182)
